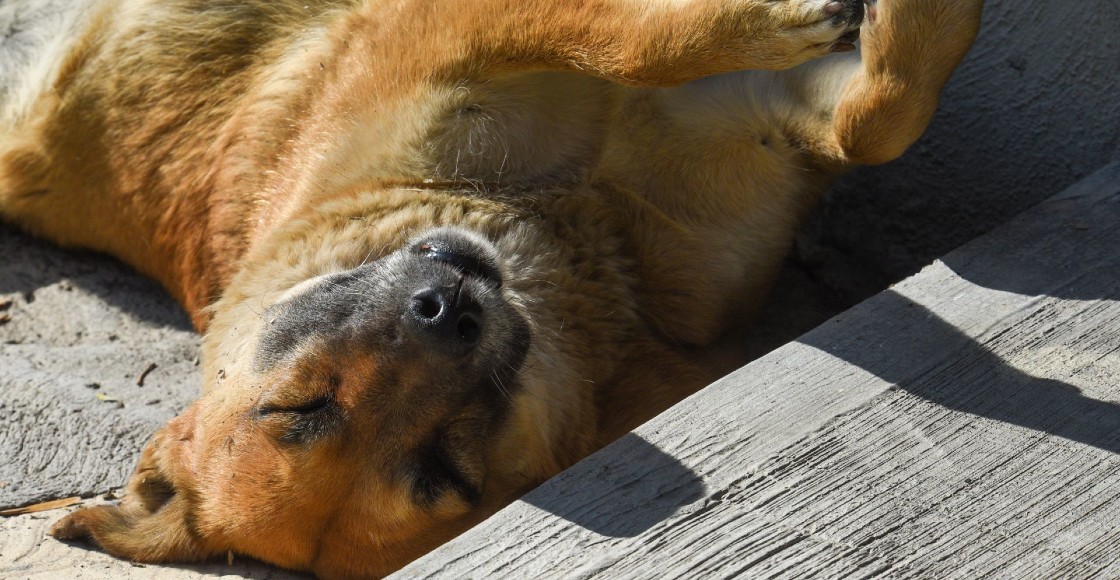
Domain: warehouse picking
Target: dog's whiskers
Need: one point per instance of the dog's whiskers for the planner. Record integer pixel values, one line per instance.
(497, 381)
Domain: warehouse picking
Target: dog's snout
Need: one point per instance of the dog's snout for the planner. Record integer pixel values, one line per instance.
(441, 295)
(448, 317)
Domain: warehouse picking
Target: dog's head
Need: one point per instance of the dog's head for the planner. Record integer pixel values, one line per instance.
(353, 421)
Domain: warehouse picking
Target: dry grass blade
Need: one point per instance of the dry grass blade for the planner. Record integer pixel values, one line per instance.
(41, 507)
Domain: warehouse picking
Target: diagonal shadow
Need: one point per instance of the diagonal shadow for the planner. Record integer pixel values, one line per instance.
(935, 361)
(1065, 247)
(646, 485)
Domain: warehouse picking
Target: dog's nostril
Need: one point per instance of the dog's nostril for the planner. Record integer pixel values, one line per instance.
(446, 318)
(469, 328)
(427, 304)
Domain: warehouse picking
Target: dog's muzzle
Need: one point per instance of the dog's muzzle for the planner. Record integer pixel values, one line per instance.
(443, 309)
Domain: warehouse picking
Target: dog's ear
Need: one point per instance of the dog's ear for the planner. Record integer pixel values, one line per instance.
(153, 522)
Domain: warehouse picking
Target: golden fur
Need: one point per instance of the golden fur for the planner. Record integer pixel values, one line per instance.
(638, 192)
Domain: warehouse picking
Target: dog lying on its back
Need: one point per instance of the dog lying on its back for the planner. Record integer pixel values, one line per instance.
(439, 250)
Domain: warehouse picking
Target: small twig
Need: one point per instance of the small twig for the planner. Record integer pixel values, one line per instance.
(144, 375)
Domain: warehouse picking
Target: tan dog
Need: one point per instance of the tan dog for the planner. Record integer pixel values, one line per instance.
(440, 250)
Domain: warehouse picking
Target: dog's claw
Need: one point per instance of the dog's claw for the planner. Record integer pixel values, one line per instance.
(872, 10)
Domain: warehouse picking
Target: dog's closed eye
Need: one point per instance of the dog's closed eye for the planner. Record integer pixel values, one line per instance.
(303, 422)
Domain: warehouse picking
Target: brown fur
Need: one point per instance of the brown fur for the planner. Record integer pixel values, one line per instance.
(639, 205)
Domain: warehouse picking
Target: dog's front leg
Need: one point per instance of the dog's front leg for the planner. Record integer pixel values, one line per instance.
(910, 48)
(400, 71)
(643, 42)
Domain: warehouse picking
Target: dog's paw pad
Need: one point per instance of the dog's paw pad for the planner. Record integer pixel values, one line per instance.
(846, 42)
(832, 24)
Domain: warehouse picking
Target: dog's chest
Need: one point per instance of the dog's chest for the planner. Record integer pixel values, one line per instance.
(532, 127)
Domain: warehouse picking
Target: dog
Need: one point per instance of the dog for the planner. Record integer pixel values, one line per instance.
(439, 251)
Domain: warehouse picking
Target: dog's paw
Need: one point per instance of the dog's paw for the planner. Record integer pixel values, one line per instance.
(829, 25)
(781, 34)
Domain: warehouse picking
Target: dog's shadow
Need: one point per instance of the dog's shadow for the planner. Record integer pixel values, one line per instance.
(647, 487)
(940, 364)
(1065, 253)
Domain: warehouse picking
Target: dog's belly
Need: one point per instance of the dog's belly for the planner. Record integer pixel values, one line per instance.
(35, 37)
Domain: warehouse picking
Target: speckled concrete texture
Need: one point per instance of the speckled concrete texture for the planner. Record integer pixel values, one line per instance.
(80, 330)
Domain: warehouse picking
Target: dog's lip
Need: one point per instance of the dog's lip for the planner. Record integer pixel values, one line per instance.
(459, 478)
(462, 262)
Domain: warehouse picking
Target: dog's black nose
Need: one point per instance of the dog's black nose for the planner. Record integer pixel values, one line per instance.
(448, 317)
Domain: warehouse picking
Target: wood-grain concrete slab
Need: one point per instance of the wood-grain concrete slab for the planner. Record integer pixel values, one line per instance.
(964, 423)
